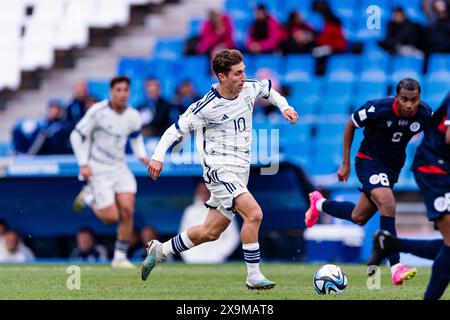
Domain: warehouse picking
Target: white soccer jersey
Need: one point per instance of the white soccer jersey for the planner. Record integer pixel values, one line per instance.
(225, 124)
(107, 132)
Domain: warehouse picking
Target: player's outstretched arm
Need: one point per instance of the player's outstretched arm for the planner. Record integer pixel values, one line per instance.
(349, 133)
(278, 100)
(447, 136)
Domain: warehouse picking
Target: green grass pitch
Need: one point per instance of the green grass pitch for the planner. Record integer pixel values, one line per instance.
(178, 281)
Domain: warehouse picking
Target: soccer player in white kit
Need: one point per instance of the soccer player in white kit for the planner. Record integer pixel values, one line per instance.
(98, 142)
(224, 116)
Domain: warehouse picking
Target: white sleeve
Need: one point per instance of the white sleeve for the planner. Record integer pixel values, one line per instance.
(278, 100)
(80, 147)
(138, 147)
(192, 119)
(80, 138)
(266, 91)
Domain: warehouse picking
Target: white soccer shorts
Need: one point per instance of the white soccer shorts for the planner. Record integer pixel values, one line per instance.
(225, 185)
(105, 186)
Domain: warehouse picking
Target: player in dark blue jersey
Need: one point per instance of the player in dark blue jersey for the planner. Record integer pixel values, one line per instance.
(389, 124)
(432, 172)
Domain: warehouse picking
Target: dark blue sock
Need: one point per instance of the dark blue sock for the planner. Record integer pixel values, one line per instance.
(440, 275)
(427, 249)
(339, 209)
(388, 224)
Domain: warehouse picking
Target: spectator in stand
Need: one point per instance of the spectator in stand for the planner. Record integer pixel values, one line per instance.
(24, 134)
(3, 228)
(439, 31)
(12, 250)
(79, 104)
(216, 34)
(185, 95)
(87, 250)
(264, 33)
(54, 132)
(331, 39)
(401, 36)
(49, 136)
(430, 12)
(147, 234)
(298, 35)
(155, 110)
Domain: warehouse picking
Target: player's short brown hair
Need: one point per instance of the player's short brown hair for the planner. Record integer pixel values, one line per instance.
(119, 79)
(225, 59)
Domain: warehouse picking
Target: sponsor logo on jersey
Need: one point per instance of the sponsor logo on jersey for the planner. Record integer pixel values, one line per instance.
(362, 115)
(371, 109)
(374, 179)
(440, 204)
(415, 126)
(389, 123)
(403, 123)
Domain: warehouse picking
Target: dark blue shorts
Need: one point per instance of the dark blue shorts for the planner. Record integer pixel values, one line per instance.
(373, 174)
(435, 189)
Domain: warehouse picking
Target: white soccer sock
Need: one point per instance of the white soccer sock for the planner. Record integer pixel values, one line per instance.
(319, 204)
(395, 267)
(178, 244)
(252, 258)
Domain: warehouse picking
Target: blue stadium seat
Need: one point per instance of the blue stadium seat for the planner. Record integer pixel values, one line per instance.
(439, 67)
(239, 10)
(345, 9)
(434, 91)
(326, 158)
(296, 5)
(406, 67)
(195, 27)
(189, 67)
(332, 133)
(99, 88)
(295, 141)
(366, 91)
(137, 92)
(160, 68)
(257, 62)
(336, 98)
(343, 67)
(241, 27)
(305, 92)
(374, 64)
(168, 49)
(298, 67)
(132, 67)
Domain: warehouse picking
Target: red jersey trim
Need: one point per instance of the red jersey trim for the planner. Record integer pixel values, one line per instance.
(430, 169)
(363, 156)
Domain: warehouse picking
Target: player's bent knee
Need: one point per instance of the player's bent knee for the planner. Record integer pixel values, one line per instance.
(255, 216)
(359, 220)
(126, 213)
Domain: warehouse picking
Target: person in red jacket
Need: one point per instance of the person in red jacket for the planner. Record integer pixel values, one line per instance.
(217, 33)
(332, 38)
(264, 34)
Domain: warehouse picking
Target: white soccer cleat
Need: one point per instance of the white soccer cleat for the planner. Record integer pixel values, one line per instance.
(80, 201)
(122, 264)
(154, 256)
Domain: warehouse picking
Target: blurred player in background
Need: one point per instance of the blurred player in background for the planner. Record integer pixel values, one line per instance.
(389, 124)
(98, 141)
(224, 118)
(431, 169)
